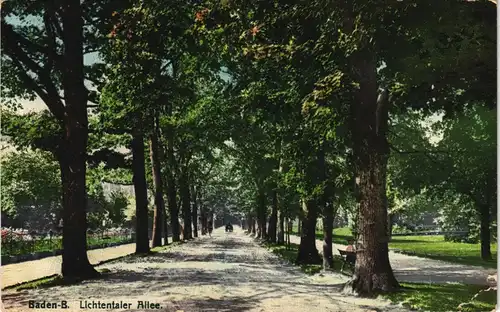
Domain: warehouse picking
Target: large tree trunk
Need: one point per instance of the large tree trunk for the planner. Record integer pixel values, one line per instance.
(390, 223)
(308, 253)
(75, 263)
(195, 211)
(172, 190)
(158, 184)
(281, 227)
(204, 224)
(328, 237)
(173, 208)
(369, 122)
(261, 214)
(141, 195)
(485, 208)
(485, 234)
(249, 223)
(203, 213)
(327, 208)
(185, 204)
(273, 219)
(282, 207)
(165, 225)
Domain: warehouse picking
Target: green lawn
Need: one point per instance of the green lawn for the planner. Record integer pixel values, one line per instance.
(420, 297)
(430, 246)
(443, 297)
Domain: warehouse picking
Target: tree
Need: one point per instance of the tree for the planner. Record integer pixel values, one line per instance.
(158, 184)
(345, 75)
(31, 190)
(45, 56)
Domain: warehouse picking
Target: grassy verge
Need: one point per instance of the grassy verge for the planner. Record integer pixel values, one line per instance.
(429, 246)
(54, 280)
(443, 297)
(58, 280)
(421, 297)
(290, 255)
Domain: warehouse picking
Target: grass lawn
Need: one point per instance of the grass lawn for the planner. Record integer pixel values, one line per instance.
(421, 297)
(430, 246)
(443, 297)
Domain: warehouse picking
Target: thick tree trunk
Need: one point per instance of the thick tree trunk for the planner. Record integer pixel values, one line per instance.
(141, 195)
(281, 227)
(172, 192)
(204, 225)
(173, 208)
(73, 156)
(158, 184)
(195, 211)
(308, 253)
(485, 234)
(261, 216)
(165, 225)
(328, 238)
(75, 263)
(248, 228)
(369, 122)
(273, 219)
(249, 223)
(327, 208)
(288, 231)
(282, 207)
(186, 205)
(390, 221)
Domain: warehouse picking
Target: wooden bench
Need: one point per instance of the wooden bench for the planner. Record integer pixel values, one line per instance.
(348, 257)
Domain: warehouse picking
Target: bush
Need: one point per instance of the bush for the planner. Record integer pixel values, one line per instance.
(461, 238)
(398, 229)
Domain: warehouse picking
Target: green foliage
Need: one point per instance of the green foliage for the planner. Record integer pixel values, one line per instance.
(31, 190)
(451, 177)
(104, 208)
(31, 193)
(33, 130)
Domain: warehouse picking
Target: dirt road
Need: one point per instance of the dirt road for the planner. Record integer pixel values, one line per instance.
(227, 272)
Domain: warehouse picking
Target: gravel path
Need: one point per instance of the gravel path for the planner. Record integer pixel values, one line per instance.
(227, 272)
(424, 270)
(16, 273)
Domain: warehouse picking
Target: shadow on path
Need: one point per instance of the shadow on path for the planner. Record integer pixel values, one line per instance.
(226, 272)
